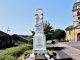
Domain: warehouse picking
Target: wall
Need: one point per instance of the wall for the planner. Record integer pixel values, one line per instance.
(69, 37)
(73, 36)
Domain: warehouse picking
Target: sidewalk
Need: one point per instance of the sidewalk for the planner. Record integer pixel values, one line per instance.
(71, 51)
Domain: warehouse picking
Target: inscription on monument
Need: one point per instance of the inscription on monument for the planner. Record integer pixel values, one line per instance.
(39, 45)
(39, 40)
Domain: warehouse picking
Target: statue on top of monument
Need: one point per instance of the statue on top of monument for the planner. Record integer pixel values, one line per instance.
(39, 19)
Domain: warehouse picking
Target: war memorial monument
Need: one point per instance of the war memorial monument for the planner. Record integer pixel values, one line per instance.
(39, 39)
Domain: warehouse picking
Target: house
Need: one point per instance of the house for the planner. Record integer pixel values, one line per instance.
(20, 40)
(5, 39)
(73, 31)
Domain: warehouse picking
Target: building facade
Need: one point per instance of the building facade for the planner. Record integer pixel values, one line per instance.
(5, 40)
(73, 31)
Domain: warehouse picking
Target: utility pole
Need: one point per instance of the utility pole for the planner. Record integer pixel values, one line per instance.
(8, 29)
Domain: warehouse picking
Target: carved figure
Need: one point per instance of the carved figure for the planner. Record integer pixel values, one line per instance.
(39, 22)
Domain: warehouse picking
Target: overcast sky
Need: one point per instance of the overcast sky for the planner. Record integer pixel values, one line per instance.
(19, 15)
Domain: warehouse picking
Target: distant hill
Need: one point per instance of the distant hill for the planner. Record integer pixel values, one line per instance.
(25, 36)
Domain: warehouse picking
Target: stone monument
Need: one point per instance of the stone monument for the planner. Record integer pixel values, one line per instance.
(39, 39)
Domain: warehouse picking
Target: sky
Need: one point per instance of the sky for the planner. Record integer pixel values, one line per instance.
(19, 15)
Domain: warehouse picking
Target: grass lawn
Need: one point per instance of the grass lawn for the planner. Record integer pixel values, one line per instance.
(49, 50)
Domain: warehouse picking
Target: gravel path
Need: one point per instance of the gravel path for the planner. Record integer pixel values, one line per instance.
(3, 50)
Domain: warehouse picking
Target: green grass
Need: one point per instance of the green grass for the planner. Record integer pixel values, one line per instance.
(22, 56)
(49, 50)
(11, 47)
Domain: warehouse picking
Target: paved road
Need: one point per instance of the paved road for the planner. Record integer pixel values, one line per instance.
(73, 44)
(59, 49)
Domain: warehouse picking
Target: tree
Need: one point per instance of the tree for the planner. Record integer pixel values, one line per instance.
(48, 30)
(59, 34)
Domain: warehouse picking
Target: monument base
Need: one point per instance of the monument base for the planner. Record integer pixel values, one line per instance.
(39, 46)
(32, 56)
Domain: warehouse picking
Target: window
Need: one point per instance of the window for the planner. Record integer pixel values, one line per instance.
(78, 18)
(69, 32)
(78, 13)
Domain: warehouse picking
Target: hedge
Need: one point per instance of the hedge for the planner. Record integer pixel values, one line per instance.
(64, 41)
(15, 52)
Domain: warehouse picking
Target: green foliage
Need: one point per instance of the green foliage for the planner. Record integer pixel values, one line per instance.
(25, 36)
(14, 41)
(32, 40)
(33, 33)
(7, 57)
(64, 41)
(48, 30)
(39, 54)
(30, 37)
(15, 52)
(59, 34)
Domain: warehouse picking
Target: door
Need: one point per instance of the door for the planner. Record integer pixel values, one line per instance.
(4, 43)
(78, 37)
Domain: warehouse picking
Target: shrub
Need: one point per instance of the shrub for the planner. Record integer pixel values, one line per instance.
(15, 52)
(64, 40)
(7, 57)
(39, 54)
(14, 41)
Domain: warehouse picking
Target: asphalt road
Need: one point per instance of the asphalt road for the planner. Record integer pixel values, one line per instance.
(73, 44)
(62, 55)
